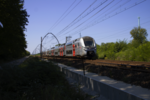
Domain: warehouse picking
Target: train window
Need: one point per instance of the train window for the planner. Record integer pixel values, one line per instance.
(74, 40)
(88, 43)
(69, 51)
(68, 44)
(76, 45)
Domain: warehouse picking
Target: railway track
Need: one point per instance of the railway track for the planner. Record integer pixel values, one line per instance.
(135, 73)
(124, 65)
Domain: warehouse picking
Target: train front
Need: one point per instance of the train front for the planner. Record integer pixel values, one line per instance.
(90, 46)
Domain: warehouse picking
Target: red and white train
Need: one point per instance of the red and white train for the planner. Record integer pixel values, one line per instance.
(84, 46)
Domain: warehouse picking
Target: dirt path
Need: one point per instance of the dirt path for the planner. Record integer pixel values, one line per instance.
(15, 62)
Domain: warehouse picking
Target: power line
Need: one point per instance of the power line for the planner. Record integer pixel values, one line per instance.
(90, 17)
(73, 22)
(123, 30)
(70, 11)
(106, 18)
(57, 22)
(101, 14)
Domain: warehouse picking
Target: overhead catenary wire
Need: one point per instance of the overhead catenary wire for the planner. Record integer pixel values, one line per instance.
(70, 11)
(90, 17)
(101, 14)
(58, 21)
(94, 23)
(81, 17)
(73, 22)
(90, 25)
(121, 32)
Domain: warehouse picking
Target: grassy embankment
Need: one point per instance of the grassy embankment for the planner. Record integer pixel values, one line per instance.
(121, 50)
(37, 54)
(36, 80)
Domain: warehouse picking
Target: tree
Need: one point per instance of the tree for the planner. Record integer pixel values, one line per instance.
(12, 37)
(27, 53)
(1, 25)
(139, 34)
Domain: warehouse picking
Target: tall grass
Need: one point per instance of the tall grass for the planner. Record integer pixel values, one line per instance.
(35, 80)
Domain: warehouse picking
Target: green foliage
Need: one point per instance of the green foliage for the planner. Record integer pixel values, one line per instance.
(128, 54)
(120, 46)
(134, 43)
(12, 37)
(27, 53)
(58, 44)
(143, 52)
(136, 50)
(35, 80)
(139, 34)
(100, 51)
(140, 53)
(120, 50)
(109, 50)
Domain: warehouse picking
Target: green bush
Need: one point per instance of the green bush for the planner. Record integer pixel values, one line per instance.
(143, 52)
(128, 55)
(120, 46)
(110, 55)
(134, 44)
(121, 50)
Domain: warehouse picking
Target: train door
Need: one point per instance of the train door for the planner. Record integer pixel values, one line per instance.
(73, 49)
(76, 49)
(59, 51)
(79, 49)
(69, 49)
(64, 50)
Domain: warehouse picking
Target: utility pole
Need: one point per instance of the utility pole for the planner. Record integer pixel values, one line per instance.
(80, 35)
(68, 38)
(46, 51)
(41, 48)
(138, 21)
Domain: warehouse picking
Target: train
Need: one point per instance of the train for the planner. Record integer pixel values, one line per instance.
(82, 47)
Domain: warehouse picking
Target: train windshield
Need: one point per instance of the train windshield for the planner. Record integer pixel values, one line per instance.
(88, 41)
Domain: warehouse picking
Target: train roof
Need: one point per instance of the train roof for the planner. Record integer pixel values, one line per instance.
(75, 40)
(78, 39)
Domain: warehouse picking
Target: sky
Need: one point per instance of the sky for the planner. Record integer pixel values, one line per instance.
(104, 20)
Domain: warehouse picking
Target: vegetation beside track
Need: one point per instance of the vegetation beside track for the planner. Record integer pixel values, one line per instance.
(121, 50)
(35, 79)
(37, 55)
(135, 50)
